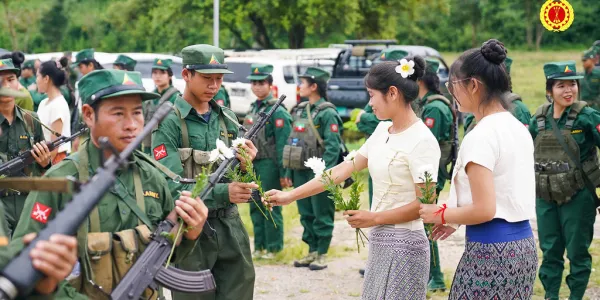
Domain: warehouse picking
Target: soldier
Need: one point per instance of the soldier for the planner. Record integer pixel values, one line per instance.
(268, 163)
(17, 58)
(222, 97)
(181, 143)
(366, 121)
(315, 132)
(86, 62)
(437, 112)
(162, 77)
(21, 131)
(566, 134)
(27, 80)
(124, 62)
(590, 84)
(121, 224)
(518, 108)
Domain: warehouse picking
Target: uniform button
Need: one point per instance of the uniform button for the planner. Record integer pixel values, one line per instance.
(124, 212)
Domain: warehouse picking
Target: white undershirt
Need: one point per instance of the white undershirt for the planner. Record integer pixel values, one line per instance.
(51, 111)
(503, 145)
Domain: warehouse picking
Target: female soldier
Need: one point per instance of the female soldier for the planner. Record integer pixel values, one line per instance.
(86, 62)
(438, 114)
(566, 134)
(268, 164)
(315, 132)
(54, 110)
(162, 75)
(397, 154)
(124, 62)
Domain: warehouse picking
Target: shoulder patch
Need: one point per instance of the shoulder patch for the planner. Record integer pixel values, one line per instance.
(429, 122)
(598, 127)
(40, 212)
(279, 123)
(334, 128)
(221, 102)
(160, 152)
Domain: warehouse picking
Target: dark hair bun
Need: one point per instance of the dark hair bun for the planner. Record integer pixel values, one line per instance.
(419, 67)
(18, 57)
(493, 50)
(64, 62)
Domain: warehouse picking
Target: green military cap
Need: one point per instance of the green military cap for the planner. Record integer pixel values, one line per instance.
(260, 71)
(507, 63)
(589, 54)
(204, 59)
(106, 83)
(84, 55)
(126, 61)
(316, 74)
(162, 64)
(7, 65)
(389, 54)
(28, 64)
(432, 64)
(564, 70)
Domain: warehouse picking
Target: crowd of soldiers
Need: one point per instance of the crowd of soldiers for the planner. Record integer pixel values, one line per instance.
(114, 104)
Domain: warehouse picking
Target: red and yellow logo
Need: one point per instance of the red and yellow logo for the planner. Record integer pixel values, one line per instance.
(213, 60)
(127, 81)
(256, 71)
(557, 15)
(159, 62)
(567, 70)
(1, 64)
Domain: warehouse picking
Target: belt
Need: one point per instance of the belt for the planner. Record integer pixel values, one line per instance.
(6, 193)
(227, 212)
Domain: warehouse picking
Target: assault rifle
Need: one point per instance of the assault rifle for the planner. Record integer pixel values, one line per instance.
(149, 269)
(14, 166)
(19, 277)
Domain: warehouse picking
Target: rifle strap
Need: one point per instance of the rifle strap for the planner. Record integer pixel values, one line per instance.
(312, 126)
(29, 121)
(561, 140)
(185, 138)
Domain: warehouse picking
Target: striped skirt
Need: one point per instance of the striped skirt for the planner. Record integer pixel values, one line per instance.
(496, 270)
(398, 264)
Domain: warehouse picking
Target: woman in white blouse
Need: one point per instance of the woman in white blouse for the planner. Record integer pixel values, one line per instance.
(493, 186)
(54, 111)
(397, 155)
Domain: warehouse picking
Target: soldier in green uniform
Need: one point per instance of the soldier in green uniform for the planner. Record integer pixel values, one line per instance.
(366, 121)
(316, 131)
(162, 76)
(21, 131)
(590, 84)
(566, 135)
(55, 258)
(268, 163)
(124, 62)
(222, 97)
(182, 143)
(517, 107)
(86, 62)
(437, 112)
(27, 80)
(121, 223)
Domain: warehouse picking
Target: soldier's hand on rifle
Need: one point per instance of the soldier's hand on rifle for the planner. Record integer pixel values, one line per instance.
(250, 150)
(54, 258)
(41, 153)
(241, 192)
(193, 212)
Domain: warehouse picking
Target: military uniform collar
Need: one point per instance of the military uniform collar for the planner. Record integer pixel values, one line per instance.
(17, 113)
(185, 108)
(263, 101)
(424, 99)
(94, 157)
(164, 91)
(550, 113)
(317, 103)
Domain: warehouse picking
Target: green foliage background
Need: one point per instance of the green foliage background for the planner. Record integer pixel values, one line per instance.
(169, 25)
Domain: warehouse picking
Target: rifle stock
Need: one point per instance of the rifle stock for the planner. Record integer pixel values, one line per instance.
(19, 277)
(15, 165)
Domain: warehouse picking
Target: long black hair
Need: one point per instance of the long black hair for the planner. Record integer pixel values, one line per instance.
(487, 65)
(321, 87)
(431, 81)
(57, 71)
(383, 76)
(97, 65)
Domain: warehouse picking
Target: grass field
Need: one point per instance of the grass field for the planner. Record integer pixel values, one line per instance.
(528, 81)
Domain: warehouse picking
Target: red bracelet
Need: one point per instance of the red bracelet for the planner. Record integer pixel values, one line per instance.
(441, 210)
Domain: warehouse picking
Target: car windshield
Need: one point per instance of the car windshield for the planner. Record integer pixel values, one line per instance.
(240, 72)
(145, 67)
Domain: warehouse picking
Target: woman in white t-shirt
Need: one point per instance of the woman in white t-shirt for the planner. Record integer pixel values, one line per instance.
(397, 155)
(54, 111)
(493, 185)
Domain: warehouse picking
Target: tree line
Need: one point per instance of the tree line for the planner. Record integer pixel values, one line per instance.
(166, 26)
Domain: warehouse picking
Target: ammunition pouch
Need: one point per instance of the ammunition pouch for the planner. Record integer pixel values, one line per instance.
(193, 161)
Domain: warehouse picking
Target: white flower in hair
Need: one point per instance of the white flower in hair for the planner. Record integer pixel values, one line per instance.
(406, 68)
(316, 164)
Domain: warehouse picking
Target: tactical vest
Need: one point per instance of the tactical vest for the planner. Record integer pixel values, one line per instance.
(304, 141)
(192, 160)
(445, 146)
(106, 256)
(266, 146)
(150, 110)
(557, 177)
